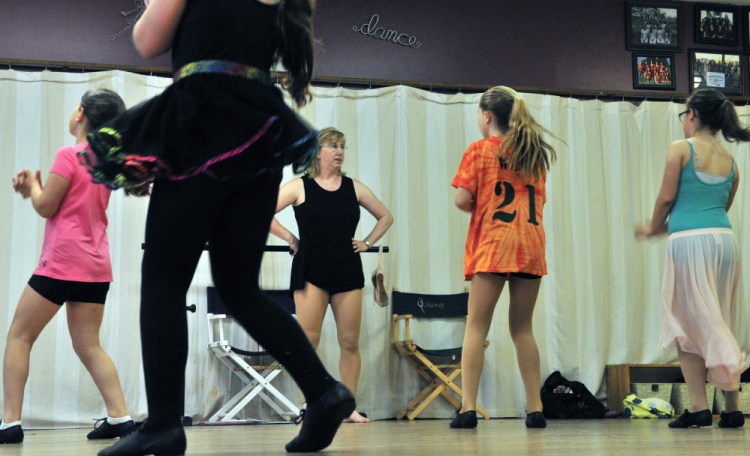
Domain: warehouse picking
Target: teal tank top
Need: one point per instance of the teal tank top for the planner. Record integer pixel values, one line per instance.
(700, 203)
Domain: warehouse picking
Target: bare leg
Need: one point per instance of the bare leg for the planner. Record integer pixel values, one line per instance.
(731, 401)
(311, 305)
(32, 315)
(523, 294)
(694, 370)
(347, 311)
(84, 321)
(485, 291)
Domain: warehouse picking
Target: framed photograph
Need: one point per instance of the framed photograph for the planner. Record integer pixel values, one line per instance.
(653, 25)
(720, 70)
(652, 70)
(745, 24)
(717, 24)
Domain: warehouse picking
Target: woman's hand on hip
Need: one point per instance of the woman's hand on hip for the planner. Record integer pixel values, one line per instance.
(359, 246)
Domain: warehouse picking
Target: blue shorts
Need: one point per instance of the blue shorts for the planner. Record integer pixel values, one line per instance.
(62, 291)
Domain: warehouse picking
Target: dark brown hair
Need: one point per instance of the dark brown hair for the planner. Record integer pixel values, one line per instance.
(101, 105)
(296, 47)
(716, 113)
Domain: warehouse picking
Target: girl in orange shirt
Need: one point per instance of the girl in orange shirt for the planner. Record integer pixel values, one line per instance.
(501, 182)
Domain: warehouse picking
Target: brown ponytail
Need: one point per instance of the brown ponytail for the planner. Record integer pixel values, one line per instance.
(716, 113)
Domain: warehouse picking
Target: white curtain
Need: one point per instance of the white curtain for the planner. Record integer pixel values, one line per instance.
(599, 304)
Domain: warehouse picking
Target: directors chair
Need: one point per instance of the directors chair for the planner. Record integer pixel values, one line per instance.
(440, 367)
(257, 377)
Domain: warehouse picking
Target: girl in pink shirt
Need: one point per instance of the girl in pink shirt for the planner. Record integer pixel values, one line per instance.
(74, 268)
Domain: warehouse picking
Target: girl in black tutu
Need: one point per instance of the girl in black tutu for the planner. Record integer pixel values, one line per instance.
(214, 145)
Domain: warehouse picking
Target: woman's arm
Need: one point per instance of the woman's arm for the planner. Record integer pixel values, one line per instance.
(290, 193)
(45, 199)
(464, 199)
(374, 206)
(155, 29)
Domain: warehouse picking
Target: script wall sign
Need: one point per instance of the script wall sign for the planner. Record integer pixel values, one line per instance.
(371, 29)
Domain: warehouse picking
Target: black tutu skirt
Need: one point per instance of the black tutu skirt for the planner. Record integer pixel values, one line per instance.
(207, 123)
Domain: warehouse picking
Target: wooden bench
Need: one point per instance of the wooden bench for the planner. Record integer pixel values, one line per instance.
(620, 377)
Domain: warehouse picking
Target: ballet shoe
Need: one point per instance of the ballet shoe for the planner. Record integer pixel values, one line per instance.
(700, 418)
(731, 420)
(299, 418)
(104, 430)
(535, 420)
(13, 434)
(142, 441)
(466, 420)
(322, 420)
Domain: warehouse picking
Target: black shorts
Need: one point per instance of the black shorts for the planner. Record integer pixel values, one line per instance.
(62, 291)
(520, 275)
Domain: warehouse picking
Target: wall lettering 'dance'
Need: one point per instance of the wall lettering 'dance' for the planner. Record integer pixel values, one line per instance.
(371, 29)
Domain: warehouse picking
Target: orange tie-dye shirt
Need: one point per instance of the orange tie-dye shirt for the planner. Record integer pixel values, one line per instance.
(505, 231)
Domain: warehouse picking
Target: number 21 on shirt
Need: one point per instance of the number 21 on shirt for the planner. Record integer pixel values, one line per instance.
(505, 190)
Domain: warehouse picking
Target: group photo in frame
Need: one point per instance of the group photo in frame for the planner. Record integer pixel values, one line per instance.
(653, 25)
(716, 69)
(653, 71)
(717, 24)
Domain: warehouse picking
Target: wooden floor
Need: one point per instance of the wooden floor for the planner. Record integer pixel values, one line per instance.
(433, 438)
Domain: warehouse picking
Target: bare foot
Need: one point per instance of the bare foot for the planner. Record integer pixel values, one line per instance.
(355, 417)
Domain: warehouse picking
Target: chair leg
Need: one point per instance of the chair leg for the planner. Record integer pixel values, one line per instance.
(408, 356)
(257, 384)
(440, 383)
(414, 403)
(222, 413)
(436, 389)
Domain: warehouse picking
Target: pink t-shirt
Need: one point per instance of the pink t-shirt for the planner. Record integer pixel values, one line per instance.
(76, 247)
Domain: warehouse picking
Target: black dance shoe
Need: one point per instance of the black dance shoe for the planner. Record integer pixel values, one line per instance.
(104, 430)
(466, 420)
(13, 434)
(535, 420)
(299, 418)
(322, 420)
(142, 441)
(697, 419)
(731, 420)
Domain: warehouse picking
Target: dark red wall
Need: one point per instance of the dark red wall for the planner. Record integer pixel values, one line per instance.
(556, 45)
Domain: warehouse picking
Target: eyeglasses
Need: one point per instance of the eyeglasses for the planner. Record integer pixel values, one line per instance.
(682, 115)
(335, 146)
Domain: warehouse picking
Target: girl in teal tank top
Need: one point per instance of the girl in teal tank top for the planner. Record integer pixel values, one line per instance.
(702, 263)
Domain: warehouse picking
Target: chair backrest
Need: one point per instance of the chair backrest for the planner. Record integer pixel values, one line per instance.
(215, 305)
(421, 305)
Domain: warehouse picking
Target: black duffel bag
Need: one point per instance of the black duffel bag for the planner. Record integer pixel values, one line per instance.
(572, 399)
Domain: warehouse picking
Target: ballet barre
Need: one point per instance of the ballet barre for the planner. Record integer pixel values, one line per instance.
(279, 248)
(285, 248)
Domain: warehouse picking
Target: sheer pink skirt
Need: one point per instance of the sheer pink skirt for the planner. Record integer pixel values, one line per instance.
(699, 301)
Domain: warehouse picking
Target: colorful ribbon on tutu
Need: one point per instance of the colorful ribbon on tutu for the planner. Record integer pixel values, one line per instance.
(222, 67)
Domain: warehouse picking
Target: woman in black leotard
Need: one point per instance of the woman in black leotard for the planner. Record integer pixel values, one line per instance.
(326, 267)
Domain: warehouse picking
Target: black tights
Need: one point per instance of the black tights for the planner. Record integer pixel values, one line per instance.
(234, 217)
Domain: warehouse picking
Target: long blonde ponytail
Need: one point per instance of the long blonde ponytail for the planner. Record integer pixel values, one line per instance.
(523, 144)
